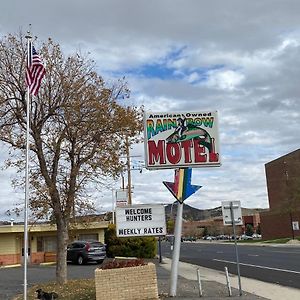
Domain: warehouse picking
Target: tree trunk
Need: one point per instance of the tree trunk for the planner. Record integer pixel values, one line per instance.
(61, 258)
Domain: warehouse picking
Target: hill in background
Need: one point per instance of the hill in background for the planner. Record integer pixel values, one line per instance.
(194, 214)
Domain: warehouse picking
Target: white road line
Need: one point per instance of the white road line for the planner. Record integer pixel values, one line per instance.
(256, 266)
(288, 252)
(255, 255)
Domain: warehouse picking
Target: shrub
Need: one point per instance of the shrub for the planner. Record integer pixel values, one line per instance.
(249, 230)
(115, 264)
(141, 247)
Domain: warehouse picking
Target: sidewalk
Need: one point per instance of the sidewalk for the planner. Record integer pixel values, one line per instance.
(214, 284)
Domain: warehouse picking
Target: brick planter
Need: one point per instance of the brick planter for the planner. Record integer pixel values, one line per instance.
(127, 283)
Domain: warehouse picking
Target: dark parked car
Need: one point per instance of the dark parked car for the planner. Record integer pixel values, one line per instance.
(188, 238)
(81, 252)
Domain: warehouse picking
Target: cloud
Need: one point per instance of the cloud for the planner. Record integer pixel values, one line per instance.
(224, 79)
(241, 59)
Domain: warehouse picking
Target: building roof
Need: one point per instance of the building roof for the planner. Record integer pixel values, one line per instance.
(51, 227)
(283, 156)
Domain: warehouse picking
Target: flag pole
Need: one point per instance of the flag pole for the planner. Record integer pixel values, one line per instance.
(29, 57)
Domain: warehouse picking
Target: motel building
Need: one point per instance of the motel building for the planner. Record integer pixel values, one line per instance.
(42, 240)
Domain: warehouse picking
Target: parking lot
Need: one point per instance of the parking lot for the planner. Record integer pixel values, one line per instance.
(12, 279)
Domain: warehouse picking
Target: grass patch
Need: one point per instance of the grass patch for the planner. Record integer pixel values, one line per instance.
(281, 241)
(250, 241)
(81, 289)
(247, 241)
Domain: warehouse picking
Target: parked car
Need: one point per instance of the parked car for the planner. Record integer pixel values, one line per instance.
(246, 237)
(81, 252)
(222, 237)
(188, 238)
(256, 236)
(209, 238)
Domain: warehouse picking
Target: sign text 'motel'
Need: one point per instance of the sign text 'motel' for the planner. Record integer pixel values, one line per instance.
(141, 220)
(179, 140)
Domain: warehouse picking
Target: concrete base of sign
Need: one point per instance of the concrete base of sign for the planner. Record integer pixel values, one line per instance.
(127, 283)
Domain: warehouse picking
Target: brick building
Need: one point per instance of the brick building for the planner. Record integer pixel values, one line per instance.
(196, 228)
(216, 227)
(283, 183)
(253, 220)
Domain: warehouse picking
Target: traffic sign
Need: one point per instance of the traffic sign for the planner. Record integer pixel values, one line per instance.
(235, 206)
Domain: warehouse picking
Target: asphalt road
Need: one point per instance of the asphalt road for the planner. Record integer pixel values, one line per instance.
(270, 264)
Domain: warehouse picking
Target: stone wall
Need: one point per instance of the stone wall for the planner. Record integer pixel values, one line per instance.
(127, 283)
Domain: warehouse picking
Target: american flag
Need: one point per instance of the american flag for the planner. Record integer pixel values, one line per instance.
(35, 72)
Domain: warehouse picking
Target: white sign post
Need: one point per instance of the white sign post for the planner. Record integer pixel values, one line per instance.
(141, 220)
(232, 215)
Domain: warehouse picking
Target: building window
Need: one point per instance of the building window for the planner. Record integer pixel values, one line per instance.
(50, 244)
(46, 243)
(39, 244)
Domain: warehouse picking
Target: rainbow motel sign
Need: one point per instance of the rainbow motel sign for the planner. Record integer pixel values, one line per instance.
(180, 140)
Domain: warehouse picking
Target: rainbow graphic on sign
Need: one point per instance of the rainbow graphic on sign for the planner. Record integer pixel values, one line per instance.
(182, 188)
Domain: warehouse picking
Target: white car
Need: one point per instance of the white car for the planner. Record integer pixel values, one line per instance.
(210, 238)
(256, 236)
(246, 237)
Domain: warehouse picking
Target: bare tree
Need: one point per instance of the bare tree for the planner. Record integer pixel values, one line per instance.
(77, 127)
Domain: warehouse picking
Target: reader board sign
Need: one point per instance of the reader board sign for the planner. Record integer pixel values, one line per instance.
(179, 140)
(141, 220)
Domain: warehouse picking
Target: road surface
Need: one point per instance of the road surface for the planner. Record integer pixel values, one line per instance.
(270, 264)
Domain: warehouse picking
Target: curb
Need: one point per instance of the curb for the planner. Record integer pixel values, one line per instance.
(48, 263)
(10, 266)
(19, 265)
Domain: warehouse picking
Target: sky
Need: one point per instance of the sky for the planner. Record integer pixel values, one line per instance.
(240, 58)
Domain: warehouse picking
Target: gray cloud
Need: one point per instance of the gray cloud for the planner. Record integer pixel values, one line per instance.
(240, 58)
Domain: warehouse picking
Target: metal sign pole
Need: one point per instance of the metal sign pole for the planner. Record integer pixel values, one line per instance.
(176, 251)
(181, 189)
(159, 249)
(236, 249)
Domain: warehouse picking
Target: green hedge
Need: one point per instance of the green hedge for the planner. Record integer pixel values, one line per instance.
(141, 247)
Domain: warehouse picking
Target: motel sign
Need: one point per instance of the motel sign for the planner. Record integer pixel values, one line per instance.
(179, 140)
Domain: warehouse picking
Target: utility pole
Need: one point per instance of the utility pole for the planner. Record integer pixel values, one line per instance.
(128, 170)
